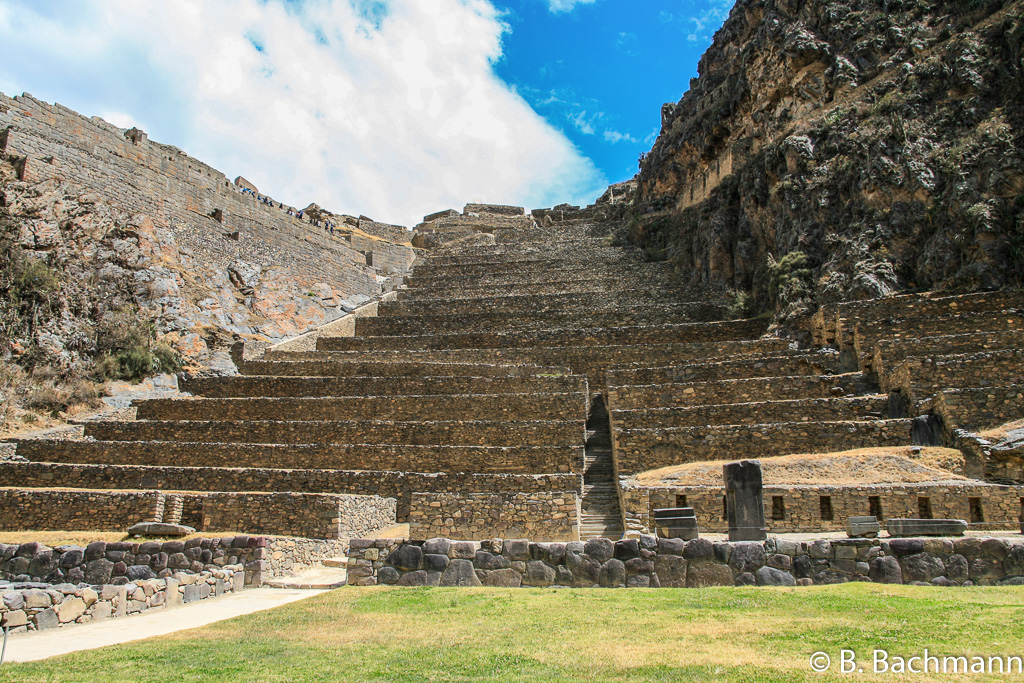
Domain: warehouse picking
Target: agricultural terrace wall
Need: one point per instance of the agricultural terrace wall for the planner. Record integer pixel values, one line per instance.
(472, 516)
(397, 485)
(802, 509)
(312, 515)
(185, 194)
(326, 516)
(640, 450)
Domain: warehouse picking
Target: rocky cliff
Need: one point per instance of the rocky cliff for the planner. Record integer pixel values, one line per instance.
(844, 149)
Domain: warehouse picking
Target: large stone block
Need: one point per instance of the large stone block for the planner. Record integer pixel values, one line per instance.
(460, 573)
(704, 574)
(769, 576)
(671, 570)
(744, 500)
(676, 523)
(862, 527)
(926, 527)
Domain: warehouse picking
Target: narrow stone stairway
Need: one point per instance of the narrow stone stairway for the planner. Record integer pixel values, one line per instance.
(600, 513)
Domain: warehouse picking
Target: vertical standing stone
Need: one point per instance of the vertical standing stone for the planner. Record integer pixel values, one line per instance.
(744, 503)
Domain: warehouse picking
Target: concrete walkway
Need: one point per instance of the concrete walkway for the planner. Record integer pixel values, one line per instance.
(25, 647)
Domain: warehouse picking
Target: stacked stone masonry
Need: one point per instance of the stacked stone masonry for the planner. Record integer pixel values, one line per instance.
(650, 562)
(330, 516)
(800, 509)
(184, 194)
(553, 515)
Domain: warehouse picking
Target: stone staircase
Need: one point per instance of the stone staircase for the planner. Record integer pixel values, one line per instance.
(600, 514)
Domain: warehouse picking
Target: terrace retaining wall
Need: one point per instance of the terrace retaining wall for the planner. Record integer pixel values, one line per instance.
(649, 562)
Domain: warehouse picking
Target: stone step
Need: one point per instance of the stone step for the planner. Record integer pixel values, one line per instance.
(793, 410)
(441, 433)
(581, 271)
(511, 407)
(503, 322)
(654, 334)
(505, 253)
(921, 377)
(598, 286)
(889, 352)
(869, 333)
(532, 303)
(591, 360)
(398, 458)
(286, 386)
(927, 305)
(322, 578)
(283, 364)
(792, 364)
(640, 450)
(550, 264)
(671, 395)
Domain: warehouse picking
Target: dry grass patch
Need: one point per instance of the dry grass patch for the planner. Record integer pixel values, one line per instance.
(889, 465)
(1002, 431)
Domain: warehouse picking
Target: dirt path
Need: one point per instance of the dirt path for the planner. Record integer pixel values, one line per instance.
(27, 647)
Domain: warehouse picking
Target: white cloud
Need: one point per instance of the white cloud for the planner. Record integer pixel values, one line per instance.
(615, 136)
(567, 5)
(582, 123)
(392, 111)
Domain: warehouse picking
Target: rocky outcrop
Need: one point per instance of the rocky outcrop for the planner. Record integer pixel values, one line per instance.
(845, 149)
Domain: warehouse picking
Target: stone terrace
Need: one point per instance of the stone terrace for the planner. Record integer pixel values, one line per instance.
(481, 383)
(873, 367)
(520, 378)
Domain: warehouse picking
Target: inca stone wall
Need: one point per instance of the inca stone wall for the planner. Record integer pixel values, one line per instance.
(313, 515)
(472, 516)
(185, 194)
(387, 484)
(121, 562)
(799, 509)
(649, 562)
(298, 514)
(39, 606)
(640, 450)
(54, 510)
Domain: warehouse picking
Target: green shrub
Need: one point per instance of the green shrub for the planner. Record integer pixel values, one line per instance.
(790, 279)
(138, 362)
(741, 305)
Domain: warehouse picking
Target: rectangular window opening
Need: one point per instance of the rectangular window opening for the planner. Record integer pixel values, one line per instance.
(681, 501)
(875, 507)
(977, 512)
(924, 507)
(825, 506)
(778, 508)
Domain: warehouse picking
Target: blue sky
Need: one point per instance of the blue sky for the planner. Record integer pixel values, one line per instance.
(389, 108)
(600, 71)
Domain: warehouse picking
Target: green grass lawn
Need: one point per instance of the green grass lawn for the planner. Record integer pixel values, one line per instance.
(459, 634)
